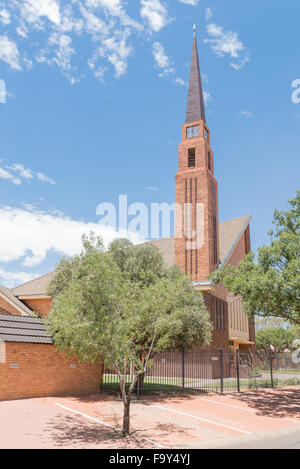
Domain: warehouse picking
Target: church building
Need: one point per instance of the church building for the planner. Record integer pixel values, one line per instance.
(200, 245)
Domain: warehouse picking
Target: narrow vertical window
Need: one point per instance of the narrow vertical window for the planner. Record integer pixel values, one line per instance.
(191, 158)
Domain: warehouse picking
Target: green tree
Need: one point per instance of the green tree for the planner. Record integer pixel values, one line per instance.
(271, 286)
(121, 306)
(279, 337)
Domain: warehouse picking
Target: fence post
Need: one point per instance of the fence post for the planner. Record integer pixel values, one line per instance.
(271, 367)
(183, 368)
(238, 370)
(221, 371)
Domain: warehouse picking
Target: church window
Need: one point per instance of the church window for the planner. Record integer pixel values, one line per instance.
(209, 160)
(191, 158)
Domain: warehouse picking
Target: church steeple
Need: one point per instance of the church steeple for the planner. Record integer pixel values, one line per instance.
(195, 110)
(196, 189)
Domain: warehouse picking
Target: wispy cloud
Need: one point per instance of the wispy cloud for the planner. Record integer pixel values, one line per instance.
(164, 63)
(9, 53)
(4, 174)
(4, 17)
(193, 3)
(226, 43)
(42, 177)
(21, 170)
(152, 188)
(58, 26)
(208, 14)
(246, 114)
(16, 172)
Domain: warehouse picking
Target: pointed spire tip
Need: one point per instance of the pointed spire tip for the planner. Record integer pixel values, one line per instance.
(194, 29)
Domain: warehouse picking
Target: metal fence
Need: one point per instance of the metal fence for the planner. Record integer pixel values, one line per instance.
(215, 371)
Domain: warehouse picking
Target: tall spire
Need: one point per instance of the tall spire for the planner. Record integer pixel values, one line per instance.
(195, 110)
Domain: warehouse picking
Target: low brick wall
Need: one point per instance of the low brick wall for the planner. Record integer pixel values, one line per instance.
(37, 370)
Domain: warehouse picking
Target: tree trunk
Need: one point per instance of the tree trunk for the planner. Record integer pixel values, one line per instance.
(126, 402)
(126, 417)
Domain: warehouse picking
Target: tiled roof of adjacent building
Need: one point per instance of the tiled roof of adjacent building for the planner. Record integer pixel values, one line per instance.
(230, 233)
(23, 329)
(8, 296)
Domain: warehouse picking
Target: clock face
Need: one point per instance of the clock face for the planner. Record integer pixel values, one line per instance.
(192, 131)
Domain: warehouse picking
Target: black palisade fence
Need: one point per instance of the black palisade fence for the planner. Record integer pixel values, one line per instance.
(218, 371)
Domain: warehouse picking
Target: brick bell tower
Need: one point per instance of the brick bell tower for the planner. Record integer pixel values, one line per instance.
(196, 189)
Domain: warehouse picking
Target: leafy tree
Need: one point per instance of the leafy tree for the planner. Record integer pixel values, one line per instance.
(271, 287)
(279, 337)
(121, 306)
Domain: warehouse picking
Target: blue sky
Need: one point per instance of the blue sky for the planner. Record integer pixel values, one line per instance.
(95, 98)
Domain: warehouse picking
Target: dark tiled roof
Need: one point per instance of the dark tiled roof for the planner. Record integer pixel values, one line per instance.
(195, 110)
(23, 329)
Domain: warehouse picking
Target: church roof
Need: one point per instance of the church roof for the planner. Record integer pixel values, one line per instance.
(36, 287)
(230, 233)
(195, 110)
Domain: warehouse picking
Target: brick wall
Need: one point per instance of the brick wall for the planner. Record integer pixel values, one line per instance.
(219, 337)
(242, 248)
(41, 306)
(196, 185)
(43, 371)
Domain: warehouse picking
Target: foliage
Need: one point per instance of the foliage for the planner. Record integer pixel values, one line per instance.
(271, 287)
(121, 306)
(279, 337)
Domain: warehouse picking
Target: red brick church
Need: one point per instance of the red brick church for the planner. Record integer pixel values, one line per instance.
(202, 246)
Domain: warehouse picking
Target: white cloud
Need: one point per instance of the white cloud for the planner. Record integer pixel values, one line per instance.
(33, 10)
(246, 114)
(116, 50)
(93, 24)
(208, 14)
(4, 17)
(155, 13)
(164, 64)
(9, 53)
(23, 172)
(58, 27)
(161, 59)
(194, 3)
(28, 236)
(227, 43)
(42, 177)
(179, 81)
(11, 279)
(64, 50)
(206, 97)
(4, 174)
